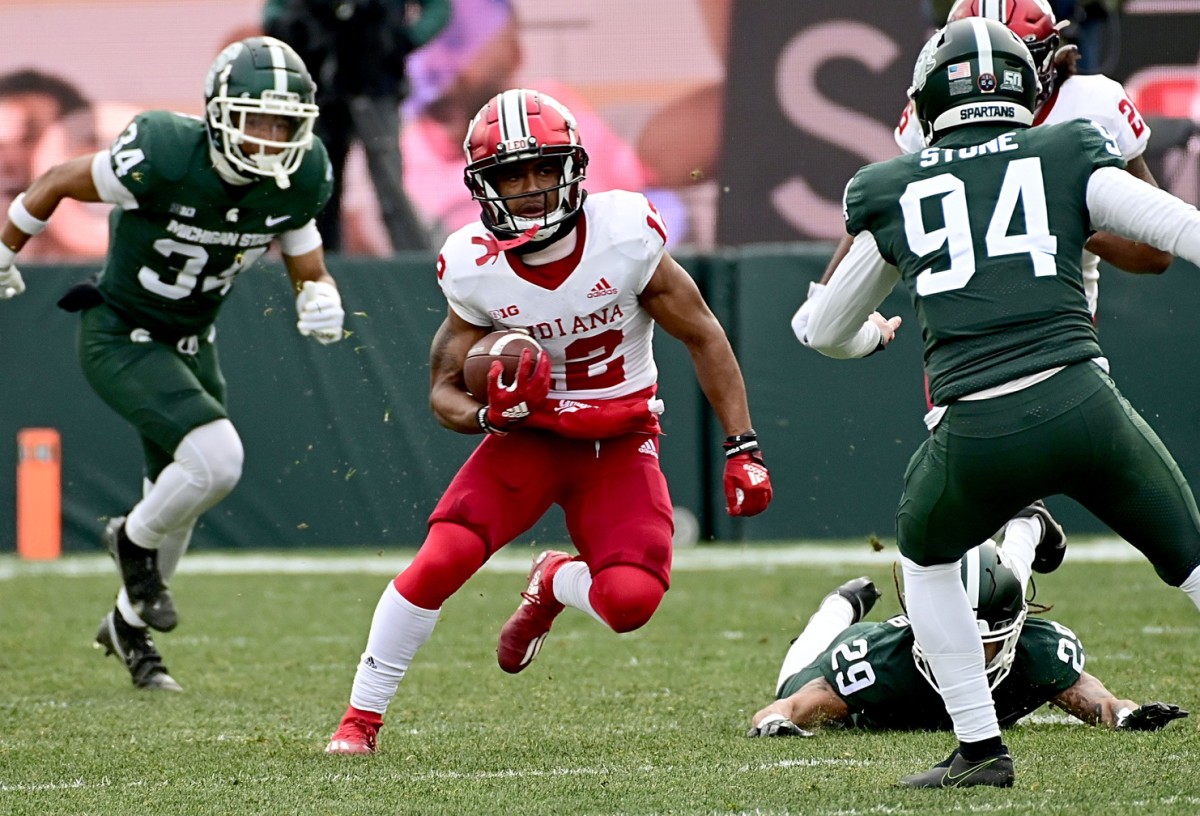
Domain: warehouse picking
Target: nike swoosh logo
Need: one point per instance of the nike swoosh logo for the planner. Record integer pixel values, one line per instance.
(951, 781)
(272, 220)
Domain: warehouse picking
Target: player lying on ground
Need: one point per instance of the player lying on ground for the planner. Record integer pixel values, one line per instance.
(844, 672)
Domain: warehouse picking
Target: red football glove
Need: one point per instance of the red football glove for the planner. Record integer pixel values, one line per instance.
(511, 403)
(747, 482)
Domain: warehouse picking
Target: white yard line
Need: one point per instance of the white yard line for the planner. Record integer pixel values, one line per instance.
(516, 559)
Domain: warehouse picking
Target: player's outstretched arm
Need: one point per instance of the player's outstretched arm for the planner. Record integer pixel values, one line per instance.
(1090, 701)
(813, 705)
(844, 323)
(1123, 253)
(1130, 207)
(30, 213)
(674, 302)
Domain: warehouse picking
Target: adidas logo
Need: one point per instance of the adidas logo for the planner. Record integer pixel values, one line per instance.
(370, 662)
(602, 289)
(571, 406)
(757, 474)
(648, 447)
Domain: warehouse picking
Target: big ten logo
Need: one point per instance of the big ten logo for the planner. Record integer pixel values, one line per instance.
(507, 311)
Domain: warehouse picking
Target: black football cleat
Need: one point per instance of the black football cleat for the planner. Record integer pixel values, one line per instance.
(136, 650)
(956, 772)
(1053, 546)
(148, 595)
(862, 595)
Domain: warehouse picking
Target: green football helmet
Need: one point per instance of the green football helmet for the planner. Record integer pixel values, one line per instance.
(998, 599)
(260, 76)
(972, 71)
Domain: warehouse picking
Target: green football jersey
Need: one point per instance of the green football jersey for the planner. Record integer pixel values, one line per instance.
(987, 237)
(871, 667)
(173, 258)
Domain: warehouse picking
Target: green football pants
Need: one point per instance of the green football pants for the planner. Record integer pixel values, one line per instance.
(1073, 434)
(161, 388)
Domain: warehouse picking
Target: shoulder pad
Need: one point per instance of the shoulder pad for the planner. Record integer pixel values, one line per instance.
(168, 142)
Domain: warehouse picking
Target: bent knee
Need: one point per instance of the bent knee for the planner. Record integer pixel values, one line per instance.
(626, 597)
(213, 456)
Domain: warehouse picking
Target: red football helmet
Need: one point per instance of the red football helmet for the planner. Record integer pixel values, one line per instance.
(519, 125)
(1031, 20)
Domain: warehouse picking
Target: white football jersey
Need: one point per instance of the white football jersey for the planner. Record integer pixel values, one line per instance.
(1094, 97)
(593, 327)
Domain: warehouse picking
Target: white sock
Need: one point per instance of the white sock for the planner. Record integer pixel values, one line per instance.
(572, 587)
(398, 630)
(944, 624)
(1021, 537)
(170, 551)
(126, 610)
(173, 545)
(207, 466)
(829, 621)
(1191, 587)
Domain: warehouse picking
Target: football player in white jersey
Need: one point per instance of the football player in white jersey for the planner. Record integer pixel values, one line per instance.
(1065, 95)
(587, 277)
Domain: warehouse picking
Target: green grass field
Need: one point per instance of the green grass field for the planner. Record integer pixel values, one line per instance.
(648, 723)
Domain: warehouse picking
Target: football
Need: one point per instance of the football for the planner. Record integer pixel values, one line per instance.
(506, 346)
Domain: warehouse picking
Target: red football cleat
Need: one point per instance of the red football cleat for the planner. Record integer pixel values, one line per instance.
(356, 734)
(526, 630)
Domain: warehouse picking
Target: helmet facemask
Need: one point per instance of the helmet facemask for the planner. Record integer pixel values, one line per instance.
(998, 600)
(496, 206)
(264, 78)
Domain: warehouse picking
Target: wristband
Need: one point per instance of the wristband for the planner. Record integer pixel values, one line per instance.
(741, 443)
(22, 219)
(7, 256)
(1122, 715)
(481, 416)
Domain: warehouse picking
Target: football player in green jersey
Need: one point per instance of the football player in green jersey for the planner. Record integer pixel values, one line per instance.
(844, 672)
(197, 201)
(985, 227)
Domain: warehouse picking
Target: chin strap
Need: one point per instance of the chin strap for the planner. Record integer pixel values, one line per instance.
(493, 246)
(282, 179)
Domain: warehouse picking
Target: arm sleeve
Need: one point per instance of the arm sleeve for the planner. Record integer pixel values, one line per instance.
(299, 241)
(1128, 206)
(107, 183)
(839, 326)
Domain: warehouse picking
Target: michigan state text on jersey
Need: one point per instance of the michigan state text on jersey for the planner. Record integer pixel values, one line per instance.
(180, 234)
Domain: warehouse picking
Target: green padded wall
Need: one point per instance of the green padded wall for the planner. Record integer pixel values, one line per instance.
(342, 450)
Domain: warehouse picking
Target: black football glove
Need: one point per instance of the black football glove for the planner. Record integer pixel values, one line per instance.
(777, 726)
(1151, 717)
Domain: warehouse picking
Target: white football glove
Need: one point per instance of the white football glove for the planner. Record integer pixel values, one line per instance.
(777, 725)
(319, 307)
(11, 282)
(800, 319)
